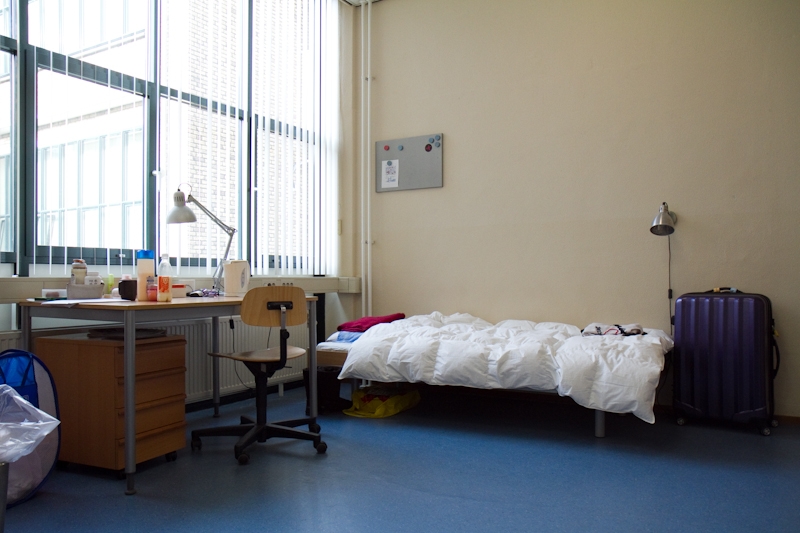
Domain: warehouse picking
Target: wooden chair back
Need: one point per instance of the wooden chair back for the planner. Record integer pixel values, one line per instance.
(254, 306)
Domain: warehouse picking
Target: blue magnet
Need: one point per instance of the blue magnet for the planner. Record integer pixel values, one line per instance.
(438, 145)
(388, 163)
(438, 137)
(430, 140)
(400, 147)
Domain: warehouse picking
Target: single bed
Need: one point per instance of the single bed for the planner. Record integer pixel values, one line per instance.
(607, 373)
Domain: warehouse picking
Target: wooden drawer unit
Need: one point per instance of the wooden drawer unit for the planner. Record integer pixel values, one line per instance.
(90, 383)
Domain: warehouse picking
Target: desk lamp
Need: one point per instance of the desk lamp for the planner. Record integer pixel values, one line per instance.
(181, 214)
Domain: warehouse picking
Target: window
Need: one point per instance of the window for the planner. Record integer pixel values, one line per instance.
(237, 119)
(89, 196)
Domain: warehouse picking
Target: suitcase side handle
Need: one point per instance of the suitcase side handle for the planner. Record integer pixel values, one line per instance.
(777, 358)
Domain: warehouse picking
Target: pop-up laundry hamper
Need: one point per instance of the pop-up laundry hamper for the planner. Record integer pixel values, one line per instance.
(27, 374)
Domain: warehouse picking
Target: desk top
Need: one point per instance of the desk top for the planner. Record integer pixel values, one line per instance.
(123, 305)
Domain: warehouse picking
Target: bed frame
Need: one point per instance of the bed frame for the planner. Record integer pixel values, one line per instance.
(337, 358)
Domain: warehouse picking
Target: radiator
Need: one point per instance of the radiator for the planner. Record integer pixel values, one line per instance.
(9, 339)
(233, 375)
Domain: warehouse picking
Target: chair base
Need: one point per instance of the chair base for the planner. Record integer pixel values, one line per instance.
(250, 432)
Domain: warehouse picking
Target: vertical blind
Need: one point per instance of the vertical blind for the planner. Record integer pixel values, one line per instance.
(254, 159)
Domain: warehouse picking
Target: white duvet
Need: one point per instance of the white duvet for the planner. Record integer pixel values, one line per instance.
(611, 373)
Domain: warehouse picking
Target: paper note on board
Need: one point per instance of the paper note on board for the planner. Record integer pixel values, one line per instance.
(390, 175)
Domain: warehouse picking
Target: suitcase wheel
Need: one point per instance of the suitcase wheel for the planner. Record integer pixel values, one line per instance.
(765, 431)
(680, 421)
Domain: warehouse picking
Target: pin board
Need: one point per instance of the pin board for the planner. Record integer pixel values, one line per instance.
(410, 163)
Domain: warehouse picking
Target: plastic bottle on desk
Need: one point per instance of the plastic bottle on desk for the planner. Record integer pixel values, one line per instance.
(145, 266)
(164, 279)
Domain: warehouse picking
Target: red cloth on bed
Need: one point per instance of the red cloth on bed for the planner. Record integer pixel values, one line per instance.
(363, 324)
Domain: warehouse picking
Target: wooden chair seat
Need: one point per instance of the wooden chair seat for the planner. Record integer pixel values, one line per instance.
(268, 355)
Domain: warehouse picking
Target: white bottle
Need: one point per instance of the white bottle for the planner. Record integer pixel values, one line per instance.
(164, 279)
(78, 272)
(145, 266)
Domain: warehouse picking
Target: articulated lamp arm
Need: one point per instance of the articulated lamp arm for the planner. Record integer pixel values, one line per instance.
(227, 229)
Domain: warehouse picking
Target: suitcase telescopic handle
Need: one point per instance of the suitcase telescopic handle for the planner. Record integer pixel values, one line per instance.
(725, 289)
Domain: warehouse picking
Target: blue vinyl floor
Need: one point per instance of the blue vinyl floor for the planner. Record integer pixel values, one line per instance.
(456, 462)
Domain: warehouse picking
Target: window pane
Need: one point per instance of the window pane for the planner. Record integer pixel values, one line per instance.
(5, 18)
(109, 33)
(7, 187)
(85, 162)
(114, 166)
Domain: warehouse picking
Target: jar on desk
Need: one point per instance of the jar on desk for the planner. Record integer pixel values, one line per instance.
(93, 278)
(151, 289)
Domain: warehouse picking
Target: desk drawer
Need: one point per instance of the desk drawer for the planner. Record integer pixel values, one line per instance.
(170, 352)
(153, 443)
(153, 415)
(153, 386)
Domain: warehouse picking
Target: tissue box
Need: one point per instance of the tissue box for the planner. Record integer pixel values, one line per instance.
(81, 292)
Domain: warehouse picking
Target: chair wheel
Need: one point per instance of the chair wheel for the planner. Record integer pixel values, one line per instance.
(196, 444)
(243, 458)
(314, 428)
(171, 456)
(321, 447)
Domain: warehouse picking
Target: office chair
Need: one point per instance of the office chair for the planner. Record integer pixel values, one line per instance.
(272, 306)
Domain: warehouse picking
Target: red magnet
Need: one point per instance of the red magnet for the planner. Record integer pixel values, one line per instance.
(386, 147)
(427, 147)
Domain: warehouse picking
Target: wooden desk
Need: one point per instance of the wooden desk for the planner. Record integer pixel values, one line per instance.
(131, 313)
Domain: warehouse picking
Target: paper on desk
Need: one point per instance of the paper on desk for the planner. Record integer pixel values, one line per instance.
(70, 303)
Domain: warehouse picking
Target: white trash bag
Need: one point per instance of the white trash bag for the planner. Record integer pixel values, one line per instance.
(22, 428)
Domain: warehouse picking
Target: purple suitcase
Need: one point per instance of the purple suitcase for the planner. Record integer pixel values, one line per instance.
(723, 359)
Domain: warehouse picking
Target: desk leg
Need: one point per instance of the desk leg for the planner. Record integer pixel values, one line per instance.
(129, 346)
(215, 363)
(312, 359)
(25, 315)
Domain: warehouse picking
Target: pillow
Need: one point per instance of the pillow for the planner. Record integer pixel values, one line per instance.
(345, 336)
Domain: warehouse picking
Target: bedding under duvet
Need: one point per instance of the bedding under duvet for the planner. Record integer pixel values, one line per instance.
(617, 374)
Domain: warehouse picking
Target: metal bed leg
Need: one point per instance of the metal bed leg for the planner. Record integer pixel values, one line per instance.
(599, 423)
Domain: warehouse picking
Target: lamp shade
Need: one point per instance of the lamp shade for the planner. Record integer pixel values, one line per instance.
(664, 223)
(180, 213)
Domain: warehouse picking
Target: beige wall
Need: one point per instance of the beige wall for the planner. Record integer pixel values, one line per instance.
(566, 124)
